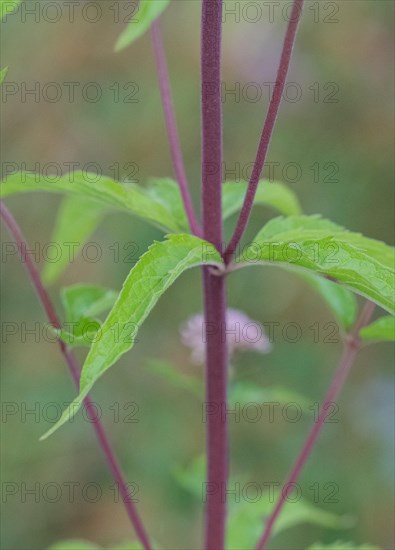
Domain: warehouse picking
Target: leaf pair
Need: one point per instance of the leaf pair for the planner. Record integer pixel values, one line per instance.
(314, 248)
(90, 198)
(363, 265)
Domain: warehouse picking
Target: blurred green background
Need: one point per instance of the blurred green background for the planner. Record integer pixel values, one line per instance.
(354, 52)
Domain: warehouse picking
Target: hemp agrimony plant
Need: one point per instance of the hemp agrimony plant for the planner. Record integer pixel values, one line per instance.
(337, 263)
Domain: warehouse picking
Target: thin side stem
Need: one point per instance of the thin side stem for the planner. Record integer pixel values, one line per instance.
(214, 287)
(267, 131)
(171, 125)
(351, 348)
(45, 300)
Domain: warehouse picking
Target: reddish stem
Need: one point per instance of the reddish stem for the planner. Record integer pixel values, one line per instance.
(214, 286)
(171, 125)
(267, 131)
(49, 309)
(350, 352)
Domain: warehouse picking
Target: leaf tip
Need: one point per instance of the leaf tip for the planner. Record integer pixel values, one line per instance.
(122, 42)
(46, 435)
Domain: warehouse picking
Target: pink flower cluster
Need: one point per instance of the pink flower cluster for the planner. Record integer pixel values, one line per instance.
(241, 334)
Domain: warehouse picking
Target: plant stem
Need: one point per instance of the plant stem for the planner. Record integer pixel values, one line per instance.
(171, 125)
(214, 286)
(211, 121)
(267, 131)
(49, 309)
(351, 348)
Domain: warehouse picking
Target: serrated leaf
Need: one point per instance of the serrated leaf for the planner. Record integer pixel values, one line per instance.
(8, 6)
(156, 270)
(363, 265)
(74, 544)
(169, 372)
(341, 301)
(381, 330)
(76, 221)
(148, 11)
(341, 545)
(126, 197)
(273, 194)
(246, 519)
(3, 74)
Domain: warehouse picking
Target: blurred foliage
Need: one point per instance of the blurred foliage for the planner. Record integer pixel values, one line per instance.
(344, 158)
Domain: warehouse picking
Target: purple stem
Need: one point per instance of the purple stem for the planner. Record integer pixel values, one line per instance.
(267, 131)
(351, 348)
(214, 286)
(171, 125)
(49, 309)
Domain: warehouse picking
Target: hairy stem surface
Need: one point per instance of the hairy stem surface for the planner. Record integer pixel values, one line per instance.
(171, 125)
(267, 131)
(49, 309)
(351, 348)
(214, 286)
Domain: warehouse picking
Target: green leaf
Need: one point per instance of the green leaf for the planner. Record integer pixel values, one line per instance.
(83, 332)
(126, 197)
(74, 544)
(363, 265)
(81, 304)
(76, 221)
(341, 545)
(296, 224)
(81, 301)
(341, 301)
(3, 74)
(273, 194)
(8, 6)
(169, 372)
(148, 11)
(156, 270)
(166, 191)
(303, 512)
(381, 330)
(247, 519)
